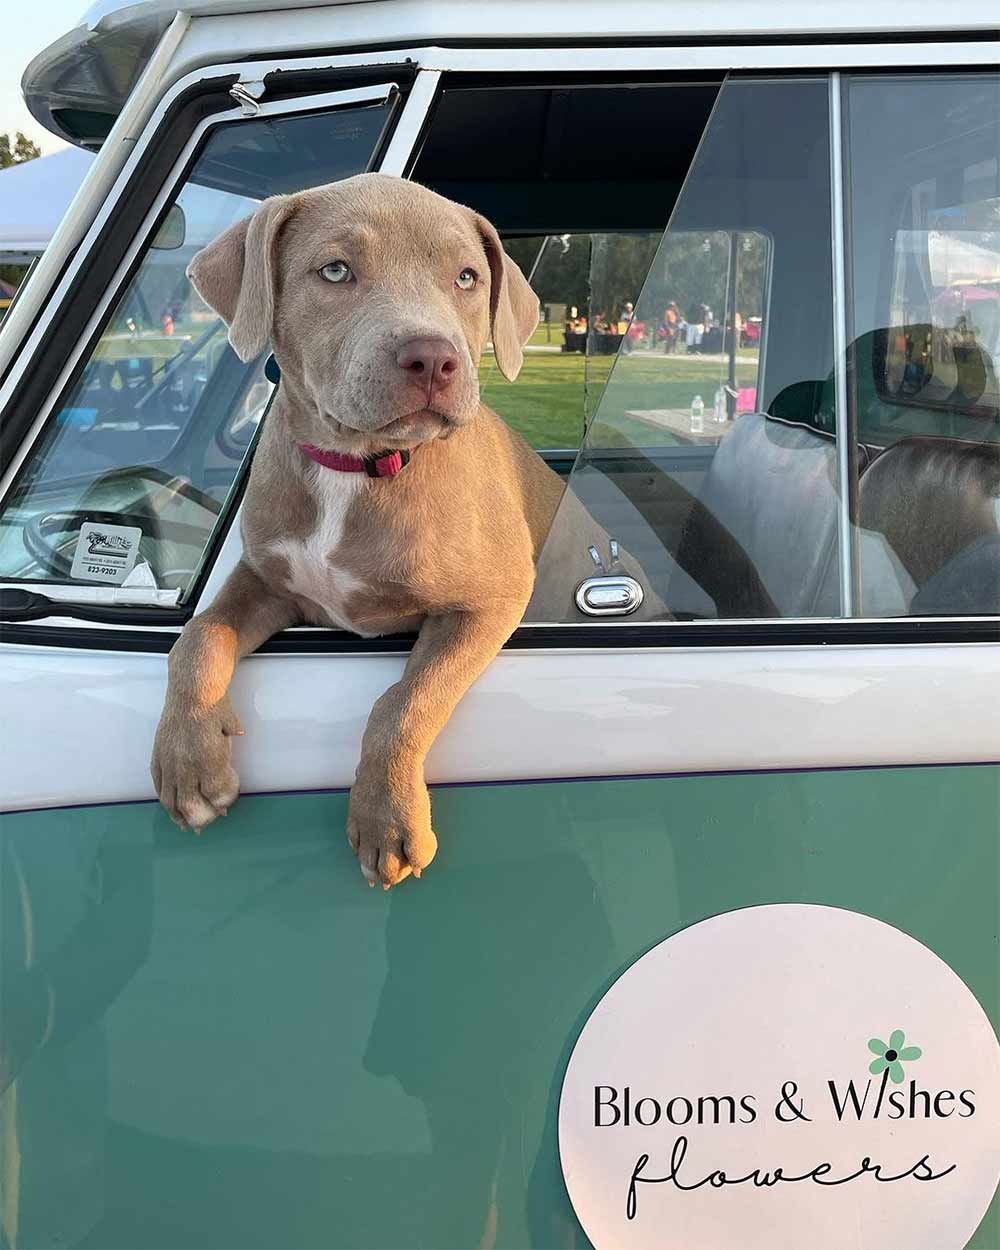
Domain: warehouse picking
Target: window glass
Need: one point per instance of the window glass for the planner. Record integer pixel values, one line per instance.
(579, 180)
(923, 177)
(692, 338)
(586, 285)
(547, 404)
(153, 431)
(709, 458)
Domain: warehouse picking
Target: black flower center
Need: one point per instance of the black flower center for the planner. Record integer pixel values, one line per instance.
(891, 1056)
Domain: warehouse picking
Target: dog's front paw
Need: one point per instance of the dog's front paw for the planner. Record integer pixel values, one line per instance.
(389, 823)
(192, 766)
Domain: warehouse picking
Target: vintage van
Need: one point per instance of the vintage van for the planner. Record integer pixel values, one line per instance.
(697, 877)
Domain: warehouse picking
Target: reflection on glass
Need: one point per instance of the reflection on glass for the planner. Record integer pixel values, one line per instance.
(587, 285)
(944, 351)
(690, 352)
(924, 251)
(547, 405)
(709, 455)
(154, 430)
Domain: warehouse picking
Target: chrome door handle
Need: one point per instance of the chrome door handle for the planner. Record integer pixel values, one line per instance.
(609, 595)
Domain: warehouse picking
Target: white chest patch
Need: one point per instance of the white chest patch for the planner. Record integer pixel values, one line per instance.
(312, 573)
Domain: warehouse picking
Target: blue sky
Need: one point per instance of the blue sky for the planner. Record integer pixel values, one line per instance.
(30, 25)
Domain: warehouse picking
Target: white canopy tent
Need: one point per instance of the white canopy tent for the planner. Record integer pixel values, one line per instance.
(35, 195)
(33, 198)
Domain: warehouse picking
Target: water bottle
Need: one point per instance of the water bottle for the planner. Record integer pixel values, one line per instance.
(697, 415)
(720, 405)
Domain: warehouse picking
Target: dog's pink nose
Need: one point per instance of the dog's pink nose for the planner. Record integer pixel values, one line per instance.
(431, 363)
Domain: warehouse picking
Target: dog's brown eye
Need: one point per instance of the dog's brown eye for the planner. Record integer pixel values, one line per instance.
(467, 279)
(337, 271)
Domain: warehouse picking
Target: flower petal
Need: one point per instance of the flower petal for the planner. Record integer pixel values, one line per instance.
(877, 1047)
(910, 1052)
(896, 1072)
(897, 1039)
(877, 1066)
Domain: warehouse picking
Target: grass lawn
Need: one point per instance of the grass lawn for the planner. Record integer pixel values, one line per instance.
(548, 402)
(153, 346)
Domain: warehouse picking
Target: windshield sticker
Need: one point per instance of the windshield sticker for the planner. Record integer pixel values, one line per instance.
(783, 1075)
(105, 553)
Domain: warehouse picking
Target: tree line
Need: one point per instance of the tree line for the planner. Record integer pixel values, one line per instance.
(600, 273)
(15, 152)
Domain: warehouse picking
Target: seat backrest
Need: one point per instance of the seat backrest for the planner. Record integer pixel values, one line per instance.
(967, 585)
(762, 538)
(932, 501)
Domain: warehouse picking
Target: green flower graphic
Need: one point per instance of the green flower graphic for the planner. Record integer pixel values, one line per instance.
(892, 1056)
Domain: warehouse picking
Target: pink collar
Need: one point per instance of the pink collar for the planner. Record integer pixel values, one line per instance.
(382, 464)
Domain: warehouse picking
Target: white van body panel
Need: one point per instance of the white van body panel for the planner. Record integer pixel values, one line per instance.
(533, 714)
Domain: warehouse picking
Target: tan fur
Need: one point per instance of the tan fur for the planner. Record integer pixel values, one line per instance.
(447, 546)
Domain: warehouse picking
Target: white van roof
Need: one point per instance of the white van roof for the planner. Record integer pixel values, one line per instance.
(92, 68)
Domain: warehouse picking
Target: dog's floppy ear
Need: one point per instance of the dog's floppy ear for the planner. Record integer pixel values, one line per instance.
(235, 275)
(514, 305)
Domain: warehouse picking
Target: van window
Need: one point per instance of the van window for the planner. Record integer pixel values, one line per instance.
(725, 478)
(586, 285)
(924, 256)
(152, 432)
(705, 459)
(579, 180)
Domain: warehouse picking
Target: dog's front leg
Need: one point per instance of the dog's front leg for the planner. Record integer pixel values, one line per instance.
(192, 765)
(389, 819)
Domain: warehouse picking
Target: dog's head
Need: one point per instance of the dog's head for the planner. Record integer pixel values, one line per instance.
(378, 297)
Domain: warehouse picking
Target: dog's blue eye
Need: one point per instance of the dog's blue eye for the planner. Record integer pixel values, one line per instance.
(467, 279)
(337, 271)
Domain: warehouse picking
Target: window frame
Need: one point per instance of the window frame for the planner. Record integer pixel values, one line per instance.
(400, 148)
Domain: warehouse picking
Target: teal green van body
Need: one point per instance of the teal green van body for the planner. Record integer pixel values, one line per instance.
(252, 1049)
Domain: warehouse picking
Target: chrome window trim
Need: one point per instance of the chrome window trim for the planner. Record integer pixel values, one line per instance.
(10, 635)
(824, 54)
(409, 125)
(845, 529)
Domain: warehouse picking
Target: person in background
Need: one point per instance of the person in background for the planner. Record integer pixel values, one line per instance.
(671, 327)
(695, 329)
(625, 326)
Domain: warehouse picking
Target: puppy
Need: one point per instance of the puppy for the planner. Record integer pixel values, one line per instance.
(383, 496)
